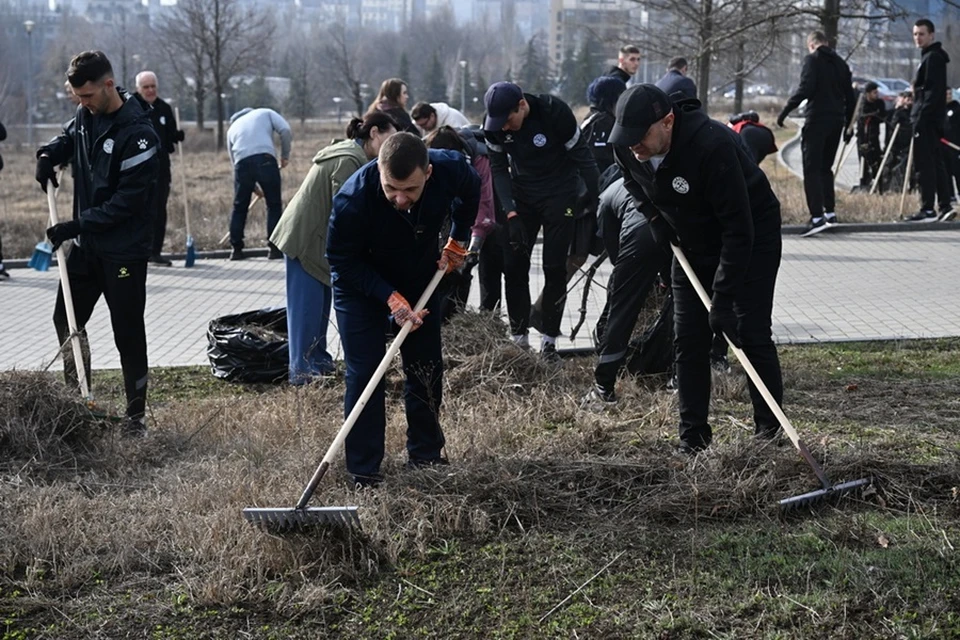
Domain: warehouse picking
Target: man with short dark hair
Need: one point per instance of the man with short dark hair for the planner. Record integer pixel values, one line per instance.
(430, 116)
(827, 86)
(872, 113)
(927, 115)
(537, 157)
(675, 80)
(113, 149)
(165, 125)
(698, 188)
(628, 61)
(382, 249)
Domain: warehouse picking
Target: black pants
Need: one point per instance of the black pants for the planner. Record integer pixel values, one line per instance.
(635, 270)
(260, 169)
(161, 195)
(819, 142)
(500, 273)
(362, 321)
(931, 172)
(555, 214)
(754, 308)
(870, 156)
(123, 285)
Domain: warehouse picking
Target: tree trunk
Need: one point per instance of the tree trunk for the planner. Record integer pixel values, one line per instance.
(199, 95)
(830, 21)
(706, 50)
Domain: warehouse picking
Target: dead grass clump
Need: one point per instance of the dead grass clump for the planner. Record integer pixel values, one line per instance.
(41, 420)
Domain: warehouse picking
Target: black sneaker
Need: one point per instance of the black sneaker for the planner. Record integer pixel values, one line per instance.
(598, 400)
(548, 354)
(691, 448)
(159, 260)
(367, 482)
(416, 463)
(720, 364)
(814, 227)
(4, 275)
(134, 428)
(830, 219)
(948, 215)
(274, 253)
(922, 216)
(237, 254)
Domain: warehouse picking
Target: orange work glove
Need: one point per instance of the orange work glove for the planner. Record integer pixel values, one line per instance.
(402, 312)
(453, 256)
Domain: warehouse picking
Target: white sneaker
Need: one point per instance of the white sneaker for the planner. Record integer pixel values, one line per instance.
(522, 341)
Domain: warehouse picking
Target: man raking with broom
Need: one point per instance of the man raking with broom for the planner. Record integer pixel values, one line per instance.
(383, 252)
(113, 149)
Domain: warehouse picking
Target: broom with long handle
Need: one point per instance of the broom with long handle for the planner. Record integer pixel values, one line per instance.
(68, 299)
(883, 162)
(829, 489)
(191, 257)
(301, 515)
(43, 252)
(256, 199)
(906, 178)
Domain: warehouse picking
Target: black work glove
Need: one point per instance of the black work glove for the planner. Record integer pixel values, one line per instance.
(663, 234)
(723, 319)
(60, 233)
(473, 253)
(46, 171)
(179, 136)
(780, 119)
(518, 234)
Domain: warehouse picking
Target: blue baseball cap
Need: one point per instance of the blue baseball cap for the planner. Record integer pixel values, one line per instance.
(500, 100)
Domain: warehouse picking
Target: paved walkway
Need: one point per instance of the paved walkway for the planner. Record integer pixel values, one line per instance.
(834, 287)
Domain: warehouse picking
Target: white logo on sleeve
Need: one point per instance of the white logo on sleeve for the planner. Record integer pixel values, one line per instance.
(539, 140)
(680, 185)
(163, 119)
(142, 143)
(108, 145)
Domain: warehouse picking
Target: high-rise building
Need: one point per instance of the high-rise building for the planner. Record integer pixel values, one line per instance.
(612, 21)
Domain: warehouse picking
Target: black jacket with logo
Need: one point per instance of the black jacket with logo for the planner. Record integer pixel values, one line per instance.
(709, 191)
(596, 129)
(872, 114)
(115, 176)
(827, 86)
(930, 86)
(543, 158)
(165, 124)
(951, 124)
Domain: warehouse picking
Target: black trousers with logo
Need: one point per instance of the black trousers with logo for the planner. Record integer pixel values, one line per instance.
(123, 285)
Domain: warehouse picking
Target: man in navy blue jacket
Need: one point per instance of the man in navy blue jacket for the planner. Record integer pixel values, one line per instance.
(383, 251)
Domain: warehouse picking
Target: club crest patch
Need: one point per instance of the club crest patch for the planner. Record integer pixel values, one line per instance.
(108, 145)
(539, 140)
(163, 119)
(680, 185)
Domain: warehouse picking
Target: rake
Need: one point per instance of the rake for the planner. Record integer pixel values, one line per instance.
(226, 236)
(303, 516)
(829, 489)
(191, 257)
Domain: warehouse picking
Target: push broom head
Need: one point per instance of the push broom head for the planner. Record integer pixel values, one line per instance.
(191, 253)
(822, 495)
(285, 519)
(42, 255)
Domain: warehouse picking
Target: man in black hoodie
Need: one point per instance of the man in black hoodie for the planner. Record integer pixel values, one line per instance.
(696, 184)
(113, 148)
(951, 131)
(826, 85)
(929, 110)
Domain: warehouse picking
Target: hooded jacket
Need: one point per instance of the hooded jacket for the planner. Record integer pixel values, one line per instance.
(115, 176)
(709, 190)
(930, 86)
(301, 232)
(374, 249)
(827, 86)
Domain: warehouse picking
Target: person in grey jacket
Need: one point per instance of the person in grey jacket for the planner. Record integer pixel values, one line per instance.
(251, 148)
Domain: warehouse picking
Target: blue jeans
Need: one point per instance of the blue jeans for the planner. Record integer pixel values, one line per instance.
(259, 169)
(308, 316)
(362, 322)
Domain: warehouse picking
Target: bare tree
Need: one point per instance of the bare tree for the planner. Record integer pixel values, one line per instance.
(343, 55)
(180, 36)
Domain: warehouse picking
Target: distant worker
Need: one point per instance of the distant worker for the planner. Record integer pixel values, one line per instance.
(675, 80)
(252, 152)
(430, 116)
(628, 61)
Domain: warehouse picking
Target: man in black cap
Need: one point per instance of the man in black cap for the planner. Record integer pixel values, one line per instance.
(698, 187)
(872, 114)
(537, 156)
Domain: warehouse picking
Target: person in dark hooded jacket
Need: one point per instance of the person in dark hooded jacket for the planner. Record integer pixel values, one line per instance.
(929, 110)
(827, 86)
(602, 95)
(695, 182)
(951, 131)
(113, 148)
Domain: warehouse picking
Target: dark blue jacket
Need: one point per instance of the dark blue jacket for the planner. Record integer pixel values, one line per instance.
(374, 249)
(674, 81)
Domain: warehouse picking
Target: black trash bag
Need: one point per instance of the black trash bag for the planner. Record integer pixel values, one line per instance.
(652, 352)
(250, 346)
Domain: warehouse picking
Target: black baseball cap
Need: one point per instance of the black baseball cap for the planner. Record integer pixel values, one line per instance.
(638, 107)
(500, 100)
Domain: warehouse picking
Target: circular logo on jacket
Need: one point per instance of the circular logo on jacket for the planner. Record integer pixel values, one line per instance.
(680, 185)
(539, 140)
(163, 119)
(108, 145)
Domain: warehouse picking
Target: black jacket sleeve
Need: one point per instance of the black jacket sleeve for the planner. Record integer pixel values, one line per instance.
(500, 168)
(60, 148)
(726, 190)
(3, 132)
(808, 84)
(930, 86)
